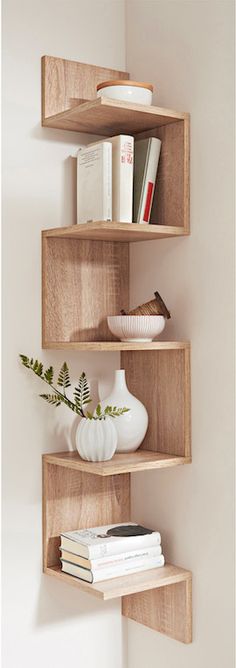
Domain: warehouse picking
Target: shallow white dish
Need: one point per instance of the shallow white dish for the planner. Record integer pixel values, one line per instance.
(137, 328)
(128, 91)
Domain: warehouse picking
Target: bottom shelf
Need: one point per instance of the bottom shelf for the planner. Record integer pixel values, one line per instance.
(128, 584)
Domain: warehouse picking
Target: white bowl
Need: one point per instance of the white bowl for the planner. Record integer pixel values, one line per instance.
(136, 327)
(128, 91)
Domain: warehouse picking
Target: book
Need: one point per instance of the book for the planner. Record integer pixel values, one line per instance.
(122, 177)
(115, 559)
(94, 183)
(96, 542)
(112, 572)
(146, 158)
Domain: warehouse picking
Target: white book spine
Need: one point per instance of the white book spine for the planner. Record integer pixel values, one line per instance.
(107, 182)
(115, 559)
(127, 569)
(149, 181)
(122, 178)
(109, 573)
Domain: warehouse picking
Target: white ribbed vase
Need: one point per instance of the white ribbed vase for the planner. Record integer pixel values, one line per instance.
(96, 440)
(132, 426)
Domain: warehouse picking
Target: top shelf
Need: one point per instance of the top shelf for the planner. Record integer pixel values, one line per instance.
(104, 116)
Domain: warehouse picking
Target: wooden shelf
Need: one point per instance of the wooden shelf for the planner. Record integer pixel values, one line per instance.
(142, 460)
(126, 585)
(113, 231)
(114, 346)
(85, 278)
(104, 116)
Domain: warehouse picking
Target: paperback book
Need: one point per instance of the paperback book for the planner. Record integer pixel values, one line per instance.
(94, 183)
(100, 541)
(134, 556)
(98, 575)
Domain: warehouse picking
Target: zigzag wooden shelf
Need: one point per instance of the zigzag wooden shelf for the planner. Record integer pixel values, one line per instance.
(78, 494)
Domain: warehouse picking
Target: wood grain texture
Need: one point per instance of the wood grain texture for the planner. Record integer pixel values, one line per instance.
(112, 231)
(112, 346)
(104, 116)
(83, 282)
(161, 381)
(123, 586)
(171, 195)
(142, 460)
(64, 82)
(73, 500)
(167, 610)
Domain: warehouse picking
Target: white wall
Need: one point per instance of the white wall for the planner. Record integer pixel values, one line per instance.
(45, 623)
(186, 49)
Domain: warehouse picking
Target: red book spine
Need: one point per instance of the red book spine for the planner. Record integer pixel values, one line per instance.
(148, 202)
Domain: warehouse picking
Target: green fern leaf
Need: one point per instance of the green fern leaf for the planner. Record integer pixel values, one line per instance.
(48, 375)
(52, 399)
(82, 392)
(25, 361)
(64, 378)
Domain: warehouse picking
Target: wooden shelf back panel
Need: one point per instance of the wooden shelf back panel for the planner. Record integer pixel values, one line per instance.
(64, 82)
(74, 500)
(112, 231)
(83, 282)
(142, 460)
(167, 610)
(171, 196)
(159, 578)
(161, 380)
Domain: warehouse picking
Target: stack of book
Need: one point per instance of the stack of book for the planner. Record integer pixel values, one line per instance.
(106, 552)
(116, 179)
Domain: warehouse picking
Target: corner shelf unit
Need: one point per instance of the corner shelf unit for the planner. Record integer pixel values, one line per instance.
(78, 493)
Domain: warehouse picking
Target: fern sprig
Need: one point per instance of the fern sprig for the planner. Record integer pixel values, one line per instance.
(82, 394)
(81, 391)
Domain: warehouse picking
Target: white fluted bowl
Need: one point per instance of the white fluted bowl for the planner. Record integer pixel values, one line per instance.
(138, 328)
(96, 440)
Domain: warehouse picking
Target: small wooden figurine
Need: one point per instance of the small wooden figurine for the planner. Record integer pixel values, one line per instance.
(154, 307)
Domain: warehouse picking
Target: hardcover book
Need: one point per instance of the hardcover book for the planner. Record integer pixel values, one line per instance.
(146, 158)
(122, 177)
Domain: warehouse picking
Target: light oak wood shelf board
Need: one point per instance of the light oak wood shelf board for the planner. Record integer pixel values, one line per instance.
(142, 460)
(104, 116)
(113, 346)
(126, 585)
(114, 231)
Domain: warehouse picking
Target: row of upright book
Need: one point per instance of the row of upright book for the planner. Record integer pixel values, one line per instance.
(116, 179)
(107, 552)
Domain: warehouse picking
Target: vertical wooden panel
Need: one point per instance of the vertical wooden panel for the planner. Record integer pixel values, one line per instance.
(83, 282)
(167, 610)
(64, 82)
(171, 195)
(160, 379)
(75, 500)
